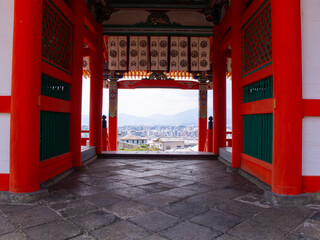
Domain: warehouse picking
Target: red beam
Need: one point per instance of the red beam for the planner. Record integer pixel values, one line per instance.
(225, 42)
(90, 21)
(311, 107)
(132, 84)
(55, 105)
(258, 75)
(55, 72)
(5, 104)
(90, 39)
(257, 167)
(258, 107)
(54, 166)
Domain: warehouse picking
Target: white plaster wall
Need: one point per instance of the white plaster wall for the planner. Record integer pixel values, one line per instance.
(310, 27)
(4, 142)
(6, 36)
(311, 146)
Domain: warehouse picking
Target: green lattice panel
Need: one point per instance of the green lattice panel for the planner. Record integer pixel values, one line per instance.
(257, 40)
(260, 90)
(55, 88)
(56, 37)
(54, 134)
(257, 136)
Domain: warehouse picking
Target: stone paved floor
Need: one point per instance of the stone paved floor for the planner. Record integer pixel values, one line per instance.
(154, 200)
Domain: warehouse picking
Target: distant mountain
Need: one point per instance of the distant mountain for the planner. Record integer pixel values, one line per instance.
(189, 117)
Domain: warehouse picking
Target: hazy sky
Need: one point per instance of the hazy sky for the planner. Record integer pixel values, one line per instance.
(145, 102)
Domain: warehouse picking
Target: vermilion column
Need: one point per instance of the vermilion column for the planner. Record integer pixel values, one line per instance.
(93, 128)
(25, 109)
(202, 132)
(100, 87)
(96, 88)
(113, 112)
(237, 8)
(76, 87)
(219, 93)
(287, 89)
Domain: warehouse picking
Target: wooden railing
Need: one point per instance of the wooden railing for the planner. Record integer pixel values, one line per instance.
(104, 140)
(229, 139)
(84, 139)
(209, 141)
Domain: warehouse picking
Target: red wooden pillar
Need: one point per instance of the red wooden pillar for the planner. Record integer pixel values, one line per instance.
(93, 99)
(287, 89)
(113, 112)
(99, 87)
(25, 95)
(219, 94)
(96, 88)
(237, 8)
(76, 87)
(202, 133)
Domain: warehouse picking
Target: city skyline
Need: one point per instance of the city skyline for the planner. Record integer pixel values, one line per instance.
(147, 102)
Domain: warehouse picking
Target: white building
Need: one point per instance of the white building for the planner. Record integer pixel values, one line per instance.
(134, 140)
(165, 144)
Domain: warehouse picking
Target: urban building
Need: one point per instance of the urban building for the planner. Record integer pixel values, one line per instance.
(165, 144)
(134, 140)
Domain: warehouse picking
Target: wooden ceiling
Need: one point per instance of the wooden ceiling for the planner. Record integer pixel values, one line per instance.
(103, 9)
(159, 4)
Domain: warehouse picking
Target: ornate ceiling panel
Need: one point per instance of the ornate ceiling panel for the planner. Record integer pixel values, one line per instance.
(212, 9)
(163, 4)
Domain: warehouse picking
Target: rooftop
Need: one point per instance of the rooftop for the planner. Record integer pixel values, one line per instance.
(170, 140)
(132, 137)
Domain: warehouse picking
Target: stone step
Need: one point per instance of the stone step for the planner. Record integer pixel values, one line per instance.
(159, 155)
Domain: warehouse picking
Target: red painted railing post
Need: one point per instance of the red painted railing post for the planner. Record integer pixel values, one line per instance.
(210, 135)
(229, 140)
(104, 140)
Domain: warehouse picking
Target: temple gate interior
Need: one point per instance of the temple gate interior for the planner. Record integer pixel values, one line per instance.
(270, 54)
